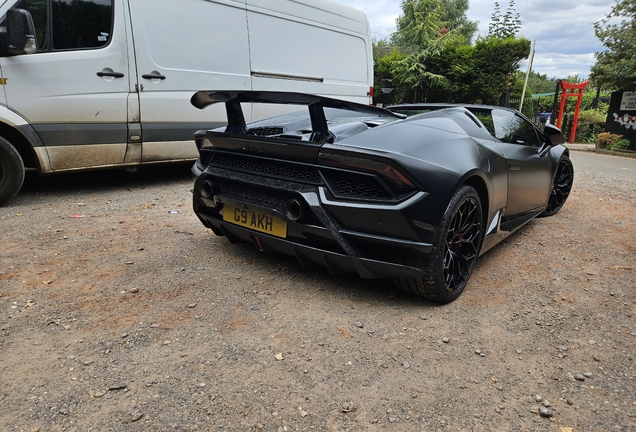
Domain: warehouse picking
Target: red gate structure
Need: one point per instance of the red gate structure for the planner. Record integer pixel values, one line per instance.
(571, 90)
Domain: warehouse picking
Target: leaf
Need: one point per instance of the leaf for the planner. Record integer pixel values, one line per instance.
(345, 333)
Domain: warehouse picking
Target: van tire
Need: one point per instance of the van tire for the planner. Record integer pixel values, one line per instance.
(11, 171)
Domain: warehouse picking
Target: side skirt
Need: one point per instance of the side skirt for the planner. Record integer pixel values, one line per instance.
(502, 227)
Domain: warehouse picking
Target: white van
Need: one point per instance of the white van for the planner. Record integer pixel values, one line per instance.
(107, 83)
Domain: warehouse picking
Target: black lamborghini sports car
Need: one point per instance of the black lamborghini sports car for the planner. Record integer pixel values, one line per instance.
(415, 193)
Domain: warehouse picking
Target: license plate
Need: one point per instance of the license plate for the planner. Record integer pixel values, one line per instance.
(256, 221)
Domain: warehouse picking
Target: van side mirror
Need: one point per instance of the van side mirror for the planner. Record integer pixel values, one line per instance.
(553, 135)
(20, 33)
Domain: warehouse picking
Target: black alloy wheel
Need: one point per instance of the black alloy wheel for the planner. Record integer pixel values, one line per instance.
(463, 240)
(561, 187)
(448, 267)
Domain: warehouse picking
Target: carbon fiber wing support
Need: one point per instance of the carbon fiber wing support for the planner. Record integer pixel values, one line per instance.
(315, 104)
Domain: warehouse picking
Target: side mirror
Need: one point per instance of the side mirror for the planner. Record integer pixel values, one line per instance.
(553, 135)
(20, 37)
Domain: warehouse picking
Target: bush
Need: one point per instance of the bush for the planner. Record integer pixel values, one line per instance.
(591, 122)
(606, 140)
(621, 144)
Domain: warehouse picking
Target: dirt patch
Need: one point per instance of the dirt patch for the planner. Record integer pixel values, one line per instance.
(119, 311)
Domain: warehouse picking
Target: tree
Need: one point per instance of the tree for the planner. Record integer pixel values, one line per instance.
(422, 33)
(615, 68)
(507, 25)
(454, 13)
(496, 62)
(434, 60)
(480, 73)
(384, 56)
(538, 83)
(451, 14)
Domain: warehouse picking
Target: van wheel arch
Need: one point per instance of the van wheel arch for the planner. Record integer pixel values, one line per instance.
(23, 146)
(11, 171)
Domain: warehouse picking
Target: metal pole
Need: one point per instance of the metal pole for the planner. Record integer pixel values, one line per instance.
(525, 84)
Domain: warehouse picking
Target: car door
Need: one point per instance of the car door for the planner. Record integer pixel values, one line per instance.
(529, 171)
(74, 89)
(182, 47)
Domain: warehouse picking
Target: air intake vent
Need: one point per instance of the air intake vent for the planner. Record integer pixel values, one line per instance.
(346, 184)
(264, 131)
(282, 170)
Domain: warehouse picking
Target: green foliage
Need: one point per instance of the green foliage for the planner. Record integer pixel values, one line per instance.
(384, 57)
(607, 140)
(517, 86)
(480, 73)
(574, 79)
(615, 68)
(422, 33)
(412, 73)
(591, 123)
(621, 144)
(428, 57)
(422, 21)
(419, 25)
(586, 103)
(506, 25)
(538, 83)
(454, 12)
(495, 62)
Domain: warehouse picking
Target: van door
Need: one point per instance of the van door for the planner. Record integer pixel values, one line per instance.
(309, 46)
(182, 47)
(74, 89)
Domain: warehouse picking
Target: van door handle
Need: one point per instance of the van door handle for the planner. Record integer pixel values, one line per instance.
(153, 75)
(110, 74)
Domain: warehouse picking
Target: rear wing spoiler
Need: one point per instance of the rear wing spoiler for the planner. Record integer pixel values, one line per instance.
(316, 104)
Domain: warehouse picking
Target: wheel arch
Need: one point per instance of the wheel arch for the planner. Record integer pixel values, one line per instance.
(19, 132)
(479, 184)
(556, 155)
(22, 145)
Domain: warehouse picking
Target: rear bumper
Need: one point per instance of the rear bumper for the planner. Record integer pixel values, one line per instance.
(312, 257)
(343, 236)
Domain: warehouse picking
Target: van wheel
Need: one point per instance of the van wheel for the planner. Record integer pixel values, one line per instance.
(11, 171)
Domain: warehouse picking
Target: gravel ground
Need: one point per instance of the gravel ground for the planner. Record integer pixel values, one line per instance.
(119, 311)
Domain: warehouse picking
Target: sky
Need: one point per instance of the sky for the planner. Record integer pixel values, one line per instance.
(563, 29)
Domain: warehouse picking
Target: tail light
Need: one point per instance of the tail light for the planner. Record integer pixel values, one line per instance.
(384, 169)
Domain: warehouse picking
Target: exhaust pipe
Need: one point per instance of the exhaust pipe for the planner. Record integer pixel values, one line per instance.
(207, 189)
(294, 210)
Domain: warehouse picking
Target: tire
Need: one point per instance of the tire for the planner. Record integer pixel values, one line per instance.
(561, 187)
(455, 249)
(11, 171)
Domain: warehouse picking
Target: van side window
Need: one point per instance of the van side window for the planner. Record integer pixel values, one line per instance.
(70, 24)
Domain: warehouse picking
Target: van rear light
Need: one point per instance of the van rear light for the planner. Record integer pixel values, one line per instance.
(370, 92)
